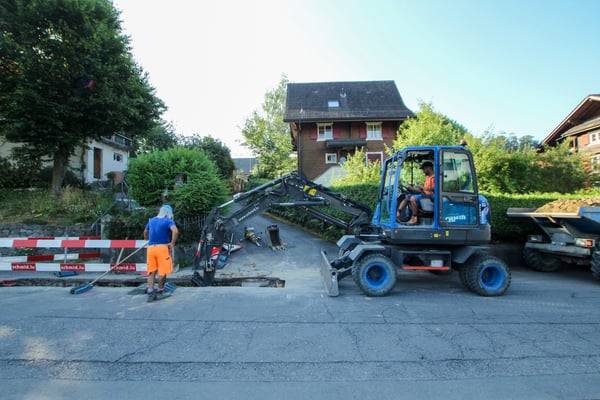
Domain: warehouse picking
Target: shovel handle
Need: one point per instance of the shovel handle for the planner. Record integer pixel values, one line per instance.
(119, 262)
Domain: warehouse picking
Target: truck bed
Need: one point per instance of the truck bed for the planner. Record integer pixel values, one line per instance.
(585, 219)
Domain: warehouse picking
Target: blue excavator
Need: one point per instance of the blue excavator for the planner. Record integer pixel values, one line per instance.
(450, 232)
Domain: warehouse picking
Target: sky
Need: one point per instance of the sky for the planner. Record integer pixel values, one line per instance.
(512, 66)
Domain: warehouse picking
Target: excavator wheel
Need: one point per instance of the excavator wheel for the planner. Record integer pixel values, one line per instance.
(539, 261)
(487, 275)
(464, 279)
(375, 274)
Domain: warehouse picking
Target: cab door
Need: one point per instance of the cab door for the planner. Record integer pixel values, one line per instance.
(458, 190)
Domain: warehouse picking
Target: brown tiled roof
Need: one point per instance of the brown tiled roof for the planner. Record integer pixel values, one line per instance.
(344, 101)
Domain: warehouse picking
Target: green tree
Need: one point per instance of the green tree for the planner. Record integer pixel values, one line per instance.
(506, 164)
(356, 170)
(560, 166)
(430, 128)
(67, 76)
(184, 177)
(160, 137)
(268, 136)
(214, 149)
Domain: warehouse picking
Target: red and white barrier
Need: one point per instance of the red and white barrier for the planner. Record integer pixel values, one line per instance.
(26, 263)
(72, 243)
(70, 267)
(58, 237)
(50, 257)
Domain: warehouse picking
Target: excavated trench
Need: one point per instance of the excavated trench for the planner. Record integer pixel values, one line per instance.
(266, 282)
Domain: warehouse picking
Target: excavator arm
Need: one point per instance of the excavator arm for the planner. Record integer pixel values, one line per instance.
(291, 190)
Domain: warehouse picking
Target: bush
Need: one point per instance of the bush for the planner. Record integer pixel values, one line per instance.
(254, 182)
(512, 229)
(9, 175)
(129, 226)
(37, 206)
(19, 175)
(183, 177)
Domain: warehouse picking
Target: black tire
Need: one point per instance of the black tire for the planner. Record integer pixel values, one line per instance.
(595, 264)
(539, 261)
(464, 268)
(487, 276)
(375, 275)
(464, 279)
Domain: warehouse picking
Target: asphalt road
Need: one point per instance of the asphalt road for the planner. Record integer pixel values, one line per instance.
(428, 339)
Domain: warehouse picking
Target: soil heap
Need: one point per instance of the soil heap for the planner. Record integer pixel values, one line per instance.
(569, 205)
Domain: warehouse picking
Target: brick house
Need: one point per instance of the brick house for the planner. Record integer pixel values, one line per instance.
(582, 129)
(331, 120)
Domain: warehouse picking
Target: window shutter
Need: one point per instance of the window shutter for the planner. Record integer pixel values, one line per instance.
(362, 131)
(584, 140)
(313, 132)
(337, 131)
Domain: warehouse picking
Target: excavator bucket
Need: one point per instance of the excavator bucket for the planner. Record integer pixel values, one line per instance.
(273, 236)
(329, 275)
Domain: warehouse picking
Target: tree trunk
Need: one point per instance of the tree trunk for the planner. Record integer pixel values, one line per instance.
(58, 172)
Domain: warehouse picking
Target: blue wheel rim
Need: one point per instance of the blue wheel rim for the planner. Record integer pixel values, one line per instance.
(376, 275)
(491, 277)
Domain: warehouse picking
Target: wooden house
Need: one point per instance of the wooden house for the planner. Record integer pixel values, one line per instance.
(582, 129)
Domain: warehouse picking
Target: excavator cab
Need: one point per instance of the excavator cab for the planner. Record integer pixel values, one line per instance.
(455, 210)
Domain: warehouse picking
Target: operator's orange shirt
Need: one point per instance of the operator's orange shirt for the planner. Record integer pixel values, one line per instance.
(429, 184)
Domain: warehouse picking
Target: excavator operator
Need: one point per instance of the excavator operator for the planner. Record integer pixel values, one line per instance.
(417, 192)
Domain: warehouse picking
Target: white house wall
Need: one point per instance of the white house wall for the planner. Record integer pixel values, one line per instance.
(82, 162)
(109, 161)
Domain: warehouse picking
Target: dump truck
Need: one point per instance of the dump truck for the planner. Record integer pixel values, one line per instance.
(452, 234)
(567, 238)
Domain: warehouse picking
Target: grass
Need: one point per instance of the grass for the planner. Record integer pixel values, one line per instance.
(41, 207)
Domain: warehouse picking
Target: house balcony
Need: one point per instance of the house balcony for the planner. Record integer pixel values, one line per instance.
(345, 143)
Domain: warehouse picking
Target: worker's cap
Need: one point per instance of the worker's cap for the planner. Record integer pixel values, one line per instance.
(427, 164)
(165, 211)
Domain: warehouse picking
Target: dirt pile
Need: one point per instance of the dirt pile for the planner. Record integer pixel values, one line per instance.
(569, 205)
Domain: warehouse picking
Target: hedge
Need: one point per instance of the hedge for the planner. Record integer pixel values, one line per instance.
(504, 228)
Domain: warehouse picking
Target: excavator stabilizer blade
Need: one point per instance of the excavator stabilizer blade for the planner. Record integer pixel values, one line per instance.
(329, 276)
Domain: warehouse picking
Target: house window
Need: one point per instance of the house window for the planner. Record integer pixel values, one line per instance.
(118, 157)
(330, 158)
(374, 131)
(324, 131)
(333, 103)
(595, 163)
(594, 137)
